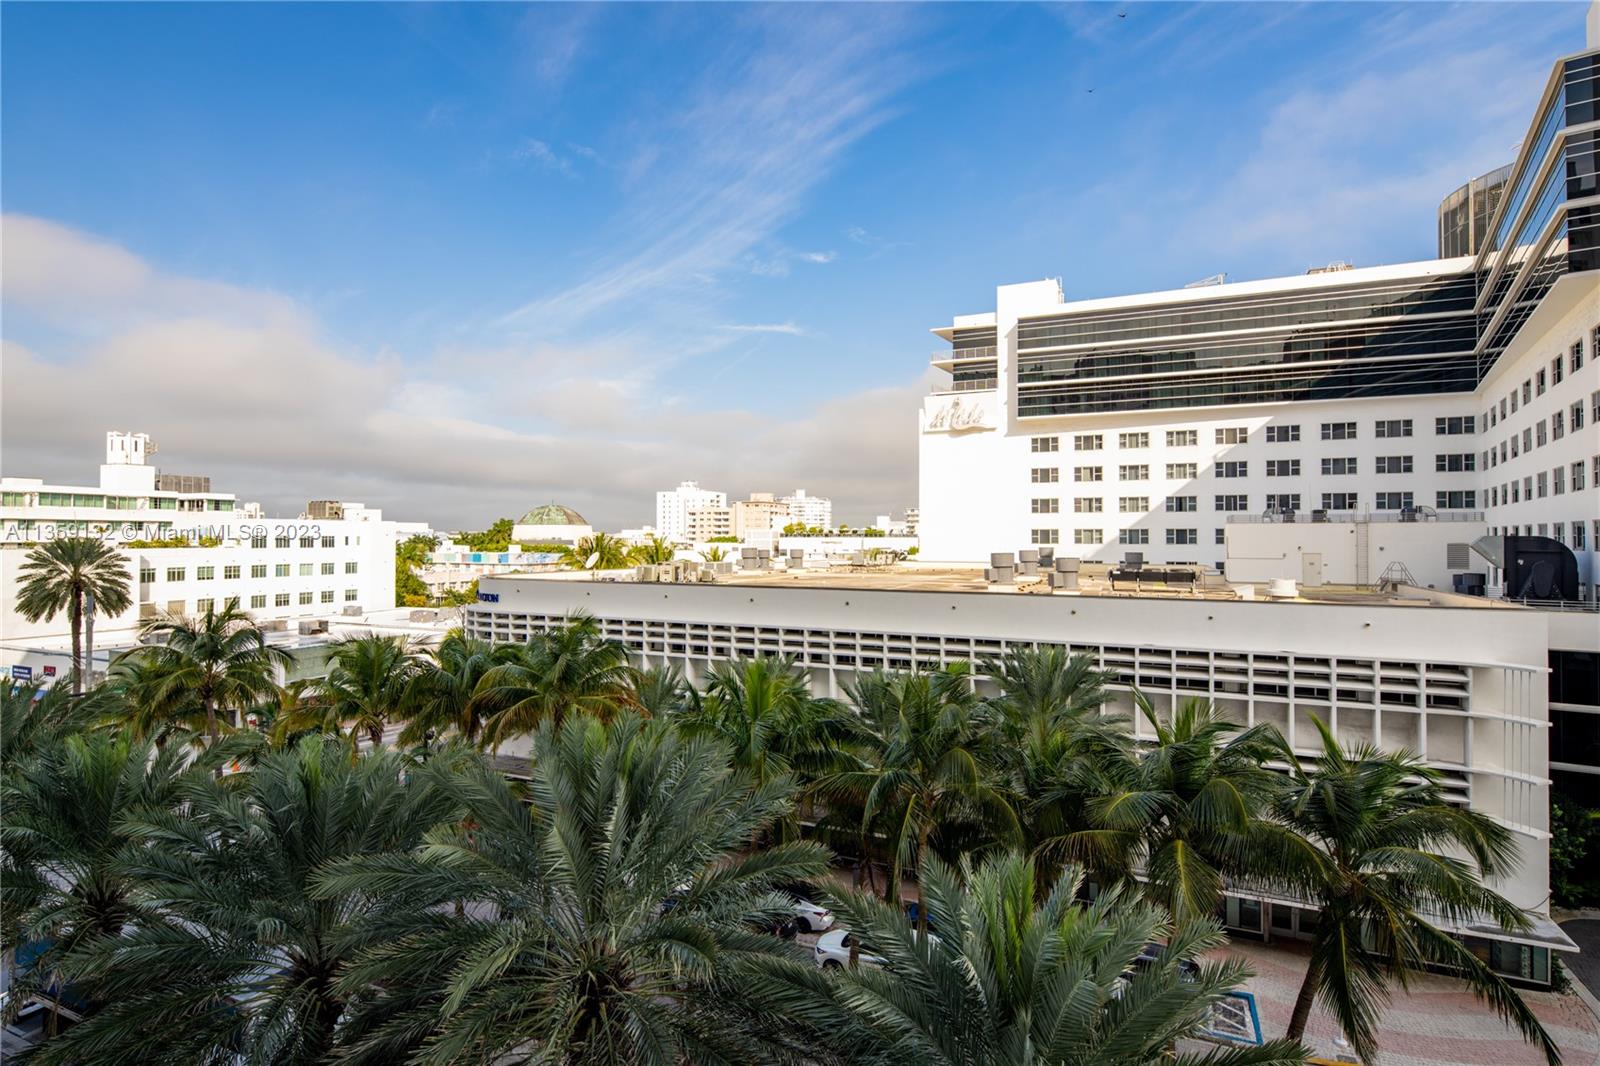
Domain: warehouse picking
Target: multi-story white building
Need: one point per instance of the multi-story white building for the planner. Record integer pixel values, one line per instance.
(762, 515)
(701, 524)
(809, 510)
(187, 547)
(673, 507)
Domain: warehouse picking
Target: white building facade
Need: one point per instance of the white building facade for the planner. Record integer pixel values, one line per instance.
(809, 510)
(673, 507)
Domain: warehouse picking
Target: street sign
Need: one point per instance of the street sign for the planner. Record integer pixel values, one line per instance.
(22, 673)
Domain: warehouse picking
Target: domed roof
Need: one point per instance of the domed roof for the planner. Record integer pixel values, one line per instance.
(552, 514)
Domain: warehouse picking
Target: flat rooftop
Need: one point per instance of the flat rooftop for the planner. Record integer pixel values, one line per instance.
(1095, 580)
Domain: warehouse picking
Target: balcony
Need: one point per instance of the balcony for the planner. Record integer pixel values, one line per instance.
(1414, 514)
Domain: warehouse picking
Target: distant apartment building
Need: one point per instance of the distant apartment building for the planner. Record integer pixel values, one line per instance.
(762, 514)
(701, 524)
(673, 507)
(810, 510)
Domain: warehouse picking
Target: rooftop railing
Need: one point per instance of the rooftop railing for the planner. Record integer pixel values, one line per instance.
(1415, 514)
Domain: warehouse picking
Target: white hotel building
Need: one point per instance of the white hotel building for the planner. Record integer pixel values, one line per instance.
(1293, 439)
(281, 570)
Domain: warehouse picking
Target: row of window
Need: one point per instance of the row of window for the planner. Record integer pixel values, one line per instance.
(258, 602)
(1573, 534)
(147, 574)
(1452, 500)
(1285, 434)
(110, 503)
(260, 541)
(1543, 432)
(1544, 483)
(1536, 385)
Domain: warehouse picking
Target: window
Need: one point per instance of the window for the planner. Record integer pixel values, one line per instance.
(259, 541)
(349, 595)
(308, 542)
(1183, 536)
(1233, 469)
(1232, 434)
(1394, 464)
(280, 570)
(230, 573)
(327, 542)
(258, 569)
(1539, 433)
(1182, 438)
(1088, 473)
(1088, 442)
(175, 573)
(1394, 501)
(1502, 407)
(1577, 535)
(1236, 502)
(1576, 470)
(326, 596)
(1222, 536)
(1138, 472)
(350, 567)
(1282, 434)
(1088, 536)
(1576, 362)
(1338, 431)
(1393, 427)
(307, 569)
(1283, 501)
(1454, 462)
(1527, 393)
(1134, 536)
(258, 602)
(1558, 425)
(305, 597)
(1283, 468)
(147, 574)
(1542, 479)
(1047, 536)
(1046, 444)
(1558, 481)
(1041, 505)
(1594, 405)
(1133, 440)
(1182, 471)
(1513, 401)
(1133, 504)
(1088, 505)
(1454, 425)
(1046, 475)
(202, 606)
(280, 599)
(1557, 365)
(1339, 501)
(1456, 500)
(205, 573)
(327, 568)
(1575, 416)
(1182, 503)
(1338, 467)
(1527, 439)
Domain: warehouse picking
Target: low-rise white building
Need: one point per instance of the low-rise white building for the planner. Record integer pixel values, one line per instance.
(809, 510)
(673, 507)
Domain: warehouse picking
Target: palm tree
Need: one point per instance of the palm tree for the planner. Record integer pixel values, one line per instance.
(149, 700)
(1043, 688)
(569, 669)
(64, 885)
(1188, 810)
(1011, 977)
(1381, 852)
(441, 696)
(763, 712)
(370, 681)
(234, 959)
(64, 575)
(654, 552)
(33, 715)
(221, 658)
(611, 552)
(915, 768)
(714, 553)
(661, 690)
(605, 921)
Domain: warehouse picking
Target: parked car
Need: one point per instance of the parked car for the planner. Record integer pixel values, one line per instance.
(833, 950)
(811, 917)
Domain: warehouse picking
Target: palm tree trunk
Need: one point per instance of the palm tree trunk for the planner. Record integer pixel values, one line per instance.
(211, 721)
(923, 832)
(375, 734)
(75, 617)
(1302, 1003)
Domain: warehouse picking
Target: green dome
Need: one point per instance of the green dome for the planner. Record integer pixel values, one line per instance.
(552, 514)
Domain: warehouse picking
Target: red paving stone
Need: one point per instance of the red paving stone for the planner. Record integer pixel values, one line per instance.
(1434, 1022)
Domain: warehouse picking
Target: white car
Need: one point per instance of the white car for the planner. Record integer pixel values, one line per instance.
(833, 950)
(810, 918)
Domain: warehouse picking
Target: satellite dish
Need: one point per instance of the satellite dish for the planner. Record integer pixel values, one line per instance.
(594, 557)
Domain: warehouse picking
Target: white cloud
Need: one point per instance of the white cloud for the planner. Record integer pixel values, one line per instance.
(819, 257)
(786, 328)
(245, 386)
(542, 155)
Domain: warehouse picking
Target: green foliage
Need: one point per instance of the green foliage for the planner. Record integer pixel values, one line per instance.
(912, 550)
(800, 529)
(611, 552)
(1574, 854)
(59, 575)
(409, 554)
(653, 552)
(569, 670)
(175, 541)
(497, 538)
(460, 597)
(723, 540)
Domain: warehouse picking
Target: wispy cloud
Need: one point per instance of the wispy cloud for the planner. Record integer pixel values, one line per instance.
(540, 154)
(763, 128)
(786, 328)
(819, 257)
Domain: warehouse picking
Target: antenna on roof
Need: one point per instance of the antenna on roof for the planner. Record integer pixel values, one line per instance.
(1215, 279)
(594, 557)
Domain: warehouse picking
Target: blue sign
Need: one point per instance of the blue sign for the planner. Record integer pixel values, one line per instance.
(488, 597)
(22, 673)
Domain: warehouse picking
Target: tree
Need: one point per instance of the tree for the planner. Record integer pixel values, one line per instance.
(605, 921)
(221, 658)
(497, 538)
(62, 575)
(714, 554)
(653, 552)
(1189, 808)
(148, 699)
(610, 551)
(409, 589)
(235, 959)
(916, 769)
(440, 699)
(64, 848)
(1012, 978)
(661, 690)
(34, 715)
(570, 669)
(369, 683)
(1381, 852)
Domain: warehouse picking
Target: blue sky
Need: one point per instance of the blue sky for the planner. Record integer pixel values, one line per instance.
(456, 260)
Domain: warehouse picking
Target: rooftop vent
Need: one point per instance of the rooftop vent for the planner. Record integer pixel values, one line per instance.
(1333, 267)
(1215, 279)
